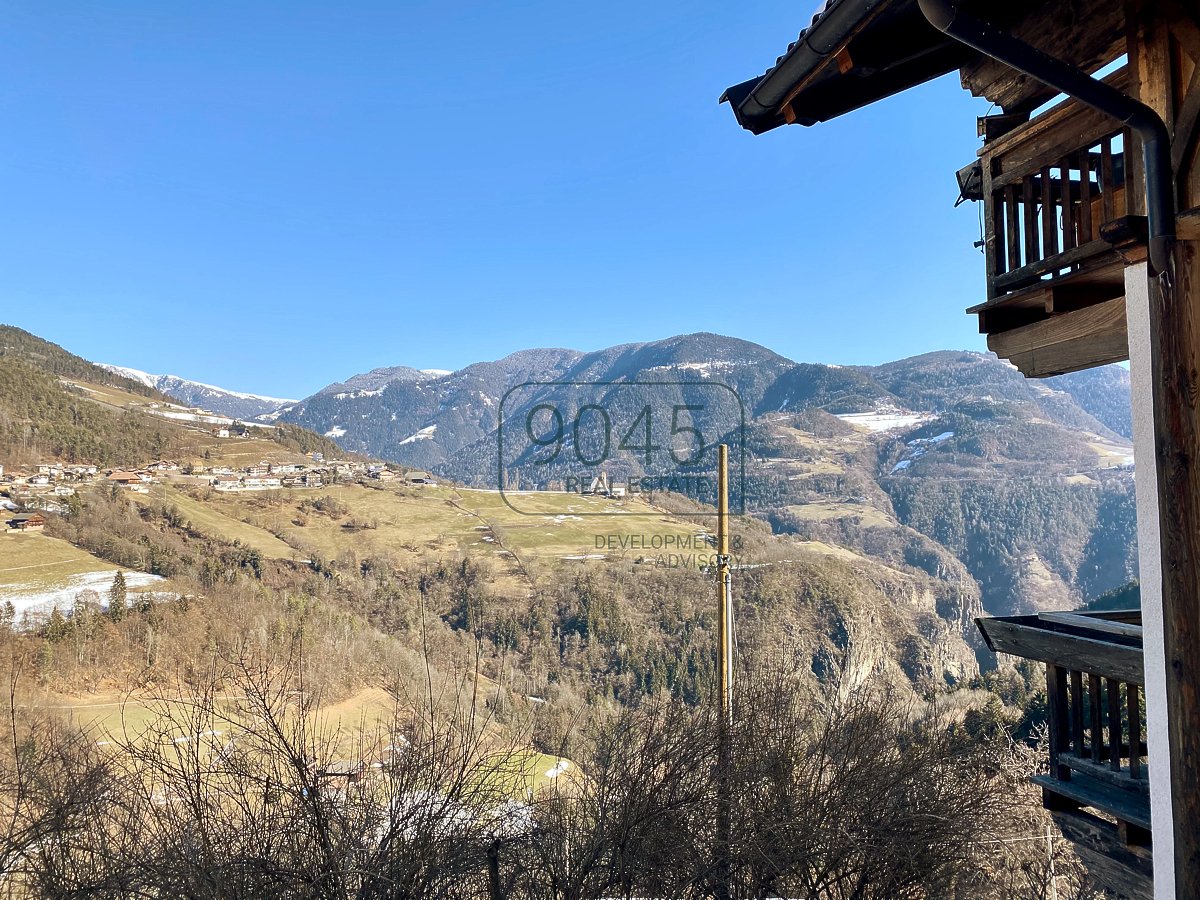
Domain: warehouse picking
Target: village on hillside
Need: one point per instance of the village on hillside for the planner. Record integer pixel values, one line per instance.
(47, 486)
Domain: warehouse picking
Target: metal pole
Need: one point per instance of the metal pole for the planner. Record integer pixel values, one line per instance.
(724, 676)
(1050, 857)
(724, 589)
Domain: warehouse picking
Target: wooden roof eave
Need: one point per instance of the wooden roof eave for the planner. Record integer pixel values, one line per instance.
(855, 53)
(1077, 649)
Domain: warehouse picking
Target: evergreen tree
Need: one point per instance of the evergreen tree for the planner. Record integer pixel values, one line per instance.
(56, 628)
(116, 598)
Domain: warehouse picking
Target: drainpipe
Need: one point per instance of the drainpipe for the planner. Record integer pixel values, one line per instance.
(989, 40)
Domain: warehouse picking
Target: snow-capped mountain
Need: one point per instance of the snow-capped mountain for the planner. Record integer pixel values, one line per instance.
(237, 404)
(447, 421)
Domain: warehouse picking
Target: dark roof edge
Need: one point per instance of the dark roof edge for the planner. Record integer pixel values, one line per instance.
(755, 102)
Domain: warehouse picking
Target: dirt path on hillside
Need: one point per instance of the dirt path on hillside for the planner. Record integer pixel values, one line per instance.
(495, 537)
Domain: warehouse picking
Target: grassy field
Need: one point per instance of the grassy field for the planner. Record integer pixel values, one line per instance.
(1111, 455)
(43, 560)
(820, 512)
(424, 521)
(352, 726)
(111, 396)
(40, 572)
(206, 517)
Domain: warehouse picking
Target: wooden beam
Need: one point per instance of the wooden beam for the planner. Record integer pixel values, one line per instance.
(1017, 636)
(1124, 869)
(1035, 270)
(1175, 323)
(1185, 125)
(1087, 41)
(1072, 357)
(1095, 623)
(1092, 336)
(1187, 225)
(845, 62)
(1175, 379)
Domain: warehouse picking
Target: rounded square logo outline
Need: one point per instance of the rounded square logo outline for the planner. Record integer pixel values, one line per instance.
(736, 509)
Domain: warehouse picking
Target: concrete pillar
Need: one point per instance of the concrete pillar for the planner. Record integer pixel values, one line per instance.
(1137, 312)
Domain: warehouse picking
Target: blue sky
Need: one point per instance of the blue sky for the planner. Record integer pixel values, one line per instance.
(274, 196)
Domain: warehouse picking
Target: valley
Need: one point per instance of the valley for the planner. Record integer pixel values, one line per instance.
(885, 509)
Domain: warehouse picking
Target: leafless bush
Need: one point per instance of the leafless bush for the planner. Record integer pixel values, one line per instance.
(240, 788)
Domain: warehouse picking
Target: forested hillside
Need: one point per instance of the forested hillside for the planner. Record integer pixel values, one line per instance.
(55, 406)
(40, 419)
(52, 359)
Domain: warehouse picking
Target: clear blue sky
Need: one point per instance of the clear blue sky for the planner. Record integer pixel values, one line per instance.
(274, 196)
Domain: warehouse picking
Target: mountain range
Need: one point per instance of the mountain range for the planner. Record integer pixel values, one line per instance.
(952, 461)
(435, 420)
(237, 404)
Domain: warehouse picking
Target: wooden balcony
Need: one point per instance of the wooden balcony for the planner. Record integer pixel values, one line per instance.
(1098, 783)
(1058, 233)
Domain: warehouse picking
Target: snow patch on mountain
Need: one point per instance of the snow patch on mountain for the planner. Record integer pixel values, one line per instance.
(157, 381)
(354, 395)
(885, 419)
(425, 434)
(150, 381)
(209, 397)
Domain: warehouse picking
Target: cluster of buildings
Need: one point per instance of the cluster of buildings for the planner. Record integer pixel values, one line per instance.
(45, 480)
(45, 485)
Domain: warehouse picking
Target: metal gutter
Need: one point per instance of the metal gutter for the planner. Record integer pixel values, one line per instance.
(815, 44)
(985, 37)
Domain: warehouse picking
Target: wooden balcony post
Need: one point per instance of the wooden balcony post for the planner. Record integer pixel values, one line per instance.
(1112, 688)
(1096, 711)
(1056, 711)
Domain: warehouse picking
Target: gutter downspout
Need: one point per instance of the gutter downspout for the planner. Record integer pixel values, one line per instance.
(989, 40)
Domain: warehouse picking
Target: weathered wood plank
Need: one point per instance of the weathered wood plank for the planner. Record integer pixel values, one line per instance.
(1087, 323)
(1095, 623)
(1086, 791)
(993, 235)
(1010, 218)
(1073, 356)
(1029, 215)
(1077, 712)
(1107, 180)
(1062, 260)
(1049, 216)
(1112, 689)
(1135, 730)
(1187, 225)
(1124, 869)
(1069, 241)
(1022, 636)
(1095, 713)
(1117, 779)
(1069, 120)
(1073, 134)
(1087, 41)
(1083, 160)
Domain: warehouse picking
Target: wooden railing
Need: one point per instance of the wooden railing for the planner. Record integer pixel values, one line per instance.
(1048, 188)
(1095, 691)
